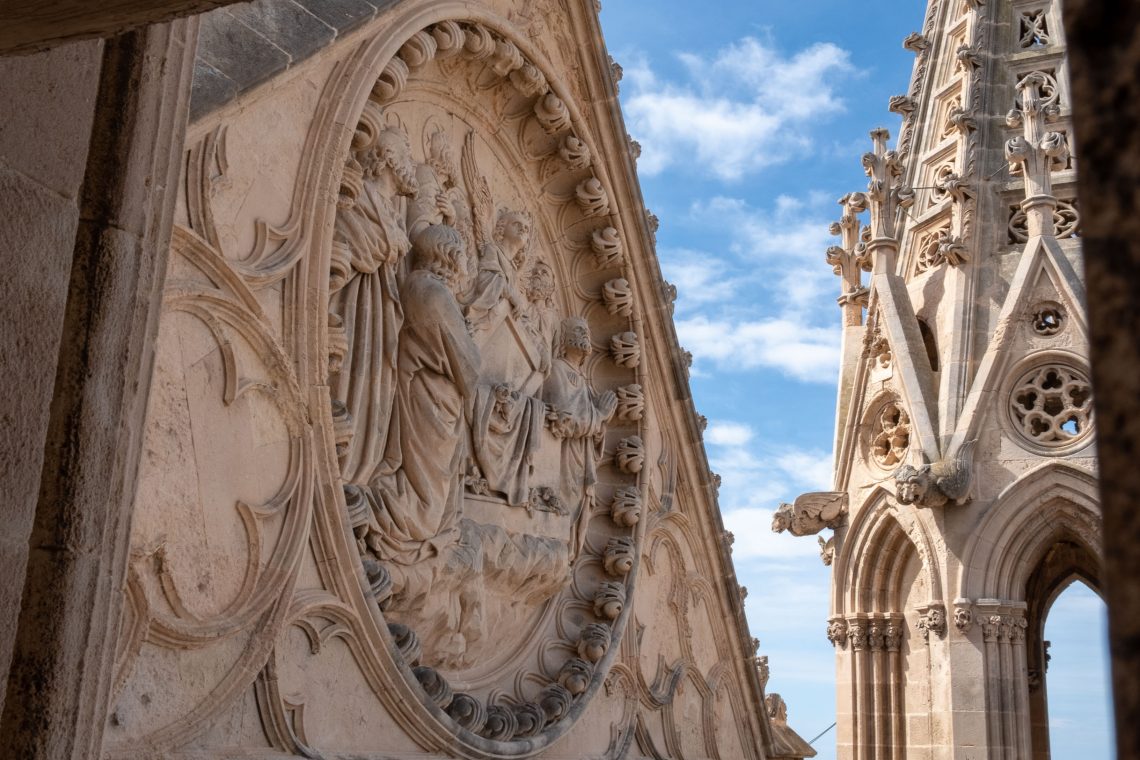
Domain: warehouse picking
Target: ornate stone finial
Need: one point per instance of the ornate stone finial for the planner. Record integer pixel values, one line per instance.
(885, 193)
(848, 259)
(811, 513)
(1036, 153)
(762, 671)
(777, 709)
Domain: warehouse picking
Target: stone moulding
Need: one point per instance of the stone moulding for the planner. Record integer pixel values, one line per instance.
(513, 714)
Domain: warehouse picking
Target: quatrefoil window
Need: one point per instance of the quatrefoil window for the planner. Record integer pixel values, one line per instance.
(1051, 406)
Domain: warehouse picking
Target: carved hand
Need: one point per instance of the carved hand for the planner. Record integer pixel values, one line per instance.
(607, 404)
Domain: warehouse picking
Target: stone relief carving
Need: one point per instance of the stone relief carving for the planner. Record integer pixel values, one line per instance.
(837, 632)
(826, 550)
(471, 469)
(811, 513)
(890, 434)
(933, 620)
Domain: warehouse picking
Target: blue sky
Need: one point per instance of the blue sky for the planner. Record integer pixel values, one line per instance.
(752, 117)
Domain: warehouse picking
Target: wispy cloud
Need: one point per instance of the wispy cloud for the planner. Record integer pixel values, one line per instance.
(746, 107)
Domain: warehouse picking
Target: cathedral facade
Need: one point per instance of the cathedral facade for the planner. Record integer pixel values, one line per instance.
(965, 488)
(419, 474)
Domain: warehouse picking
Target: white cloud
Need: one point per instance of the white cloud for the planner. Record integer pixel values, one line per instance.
(806, 353)
(728, 434)
(745, 108)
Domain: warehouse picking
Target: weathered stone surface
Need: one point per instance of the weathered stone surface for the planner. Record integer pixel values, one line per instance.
(966, 448)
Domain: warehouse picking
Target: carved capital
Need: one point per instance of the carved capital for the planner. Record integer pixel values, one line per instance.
(837, 632)
(933, 621)
(963, 616)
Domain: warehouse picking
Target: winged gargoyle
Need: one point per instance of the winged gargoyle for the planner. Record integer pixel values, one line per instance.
(934, 484)
(811, 513)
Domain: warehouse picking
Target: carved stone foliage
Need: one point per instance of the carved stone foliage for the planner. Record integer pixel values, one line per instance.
(933, 621)
(408, 420)
(1051, 406)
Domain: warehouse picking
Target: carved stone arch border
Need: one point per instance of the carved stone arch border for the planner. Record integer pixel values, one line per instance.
(308, 234)
(880, 526)
(1024, 522)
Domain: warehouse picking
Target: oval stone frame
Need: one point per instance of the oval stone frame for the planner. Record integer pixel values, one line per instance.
(590, 235)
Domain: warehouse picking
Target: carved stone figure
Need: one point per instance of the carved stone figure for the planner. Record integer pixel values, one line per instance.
(497, 291)
(826, 550)
(415, 498)
(811, 513)
(577, 415)
(933, 485)
(369, 243)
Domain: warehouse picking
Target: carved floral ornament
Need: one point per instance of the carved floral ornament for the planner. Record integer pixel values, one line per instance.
(474, 487)
(480, 446)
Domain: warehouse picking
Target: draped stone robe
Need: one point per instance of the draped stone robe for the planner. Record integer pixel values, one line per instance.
(369, 242)
(416, 497)
(581, 425)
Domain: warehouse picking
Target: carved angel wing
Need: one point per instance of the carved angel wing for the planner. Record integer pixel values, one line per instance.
(482, 207)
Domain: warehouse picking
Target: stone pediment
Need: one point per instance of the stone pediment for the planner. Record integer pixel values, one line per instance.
(414, 427)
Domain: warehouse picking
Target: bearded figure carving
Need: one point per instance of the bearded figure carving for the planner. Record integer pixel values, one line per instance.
(416, 495)
(578, 416)
(369, 244)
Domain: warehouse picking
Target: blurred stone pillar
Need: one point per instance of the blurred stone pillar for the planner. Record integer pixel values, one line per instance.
(1104, 56)
(63, 653)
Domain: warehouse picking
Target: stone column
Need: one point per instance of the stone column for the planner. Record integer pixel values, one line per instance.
(895, 684)
(864, 739)
(63, 655)
(991, 622)
(1023, 746)
(880, 680)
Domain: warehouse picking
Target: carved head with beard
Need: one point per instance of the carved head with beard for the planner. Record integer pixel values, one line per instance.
(540, 284)
(575, 342)
(392, 150)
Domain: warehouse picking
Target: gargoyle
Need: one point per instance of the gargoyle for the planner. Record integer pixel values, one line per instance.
(935, 484)
(811, 513)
